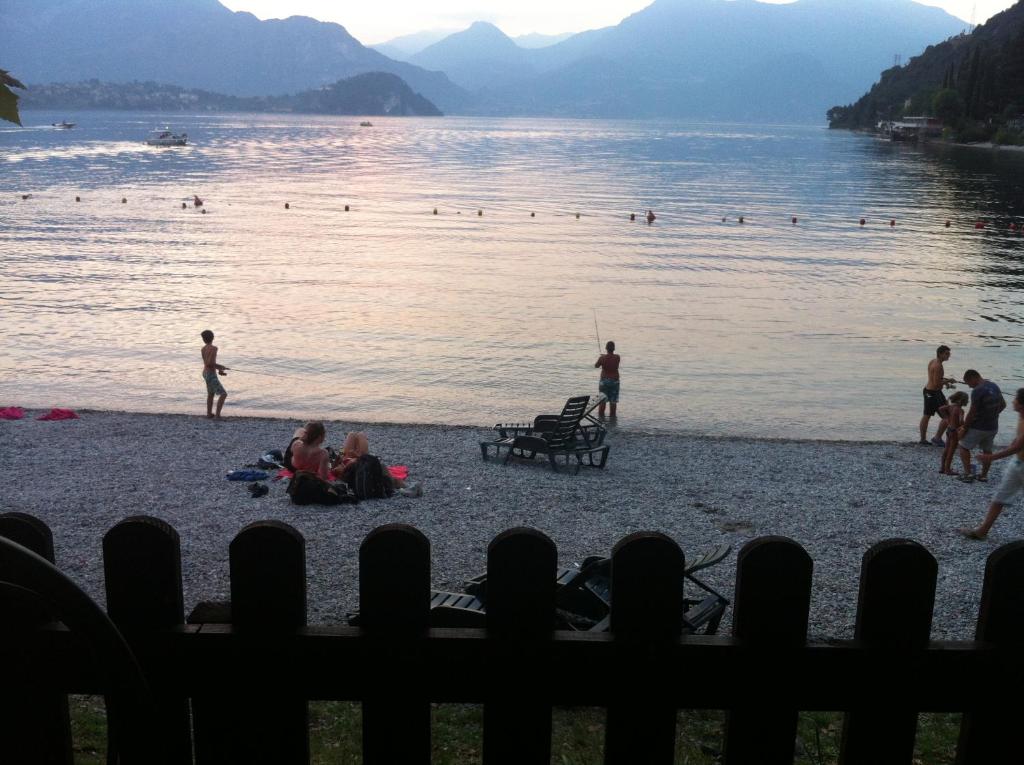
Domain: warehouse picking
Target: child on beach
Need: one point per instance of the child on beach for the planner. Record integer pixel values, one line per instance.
(1013, 478)
(608, 384)
(211, 369)
(953, 415)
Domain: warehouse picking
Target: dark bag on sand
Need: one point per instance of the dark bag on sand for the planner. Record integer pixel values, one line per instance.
(310, 489)
(368, 480)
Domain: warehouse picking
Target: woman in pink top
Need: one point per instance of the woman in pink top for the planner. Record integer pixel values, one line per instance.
(307, 450)
(609, 383)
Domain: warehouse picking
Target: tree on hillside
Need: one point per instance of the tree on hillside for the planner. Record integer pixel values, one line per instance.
(8, 99)
(948, 106)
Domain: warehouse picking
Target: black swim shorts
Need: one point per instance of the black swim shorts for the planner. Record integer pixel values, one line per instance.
(933, 399)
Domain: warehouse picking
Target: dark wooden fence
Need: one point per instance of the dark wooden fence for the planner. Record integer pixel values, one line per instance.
(238, 692)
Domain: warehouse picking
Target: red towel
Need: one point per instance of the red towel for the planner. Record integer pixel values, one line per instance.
(58, 414)
(401, 472)
(12, 413)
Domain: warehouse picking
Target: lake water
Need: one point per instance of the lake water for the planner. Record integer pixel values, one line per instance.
(387, 312)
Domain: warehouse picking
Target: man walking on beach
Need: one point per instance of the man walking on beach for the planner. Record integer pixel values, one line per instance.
(210, 371)
(981, 423)
(933, 395)
(1013, 478)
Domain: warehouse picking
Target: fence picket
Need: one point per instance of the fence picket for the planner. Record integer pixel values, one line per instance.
(894, 614)
(142, 572)
(992, 735)
(394, 604)
(646, 615)
(773, 592)
(521, 569)
(261, 723)
(35, 726)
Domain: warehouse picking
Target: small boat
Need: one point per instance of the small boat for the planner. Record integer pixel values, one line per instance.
(166, 137)
(63, 125)
(365, 123)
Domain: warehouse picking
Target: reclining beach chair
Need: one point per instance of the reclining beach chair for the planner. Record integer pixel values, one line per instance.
(583, 599)
(563, 435)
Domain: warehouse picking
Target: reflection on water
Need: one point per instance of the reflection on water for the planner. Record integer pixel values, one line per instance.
(389, 312)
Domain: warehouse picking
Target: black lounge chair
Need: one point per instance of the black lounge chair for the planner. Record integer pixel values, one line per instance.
(563, 435)
(583, 599)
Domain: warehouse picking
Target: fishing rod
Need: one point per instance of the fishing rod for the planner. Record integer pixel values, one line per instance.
(597, 332)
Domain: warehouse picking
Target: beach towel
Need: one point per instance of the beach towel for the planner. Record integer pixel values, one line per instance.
(246, 475)
(12, 413)
(283, 473)
(401, 472)
(58, 414)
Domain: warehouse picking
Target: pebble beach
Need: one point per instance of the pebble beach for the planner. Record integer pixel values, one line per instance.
(836, 499)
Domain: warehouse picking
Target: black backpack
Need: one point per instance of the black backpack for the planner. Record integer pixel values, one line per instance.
(310, 489)
(368, 480)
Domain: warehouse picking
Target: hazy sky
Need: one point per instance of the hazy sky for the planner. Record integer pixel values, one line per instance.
(380, 20)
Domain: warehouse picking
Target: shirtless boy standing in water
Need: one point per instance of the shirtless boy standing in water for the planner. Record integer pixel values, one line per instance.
(210, 371)
(933, 395)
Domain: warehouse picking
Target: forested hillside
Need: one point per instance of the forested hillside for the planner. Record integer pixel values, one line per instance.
(974, 83)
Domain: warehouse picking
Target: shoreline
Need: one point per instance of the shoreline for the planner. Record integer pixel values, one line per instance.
(32, 412)
(836, 499)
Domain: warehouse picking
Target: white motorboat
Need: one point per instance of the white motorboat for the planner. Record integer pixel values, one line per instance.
(166, 137)
(63, 125)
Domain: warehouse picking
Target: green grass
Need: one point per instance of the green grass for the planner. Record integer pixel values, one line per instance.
(577, 735)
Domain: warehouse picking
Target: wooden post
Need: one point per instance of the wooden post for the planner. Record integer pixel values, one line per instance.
(894, 614)
(773, 591)
(646, 619)
(991, 735)
(521, 569)
(263, 722)
(394, 605)
(35, 726)
(142, 570)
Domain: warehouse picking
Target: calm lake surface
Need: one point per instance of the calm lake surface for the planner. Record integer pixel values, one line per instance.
(388, 312)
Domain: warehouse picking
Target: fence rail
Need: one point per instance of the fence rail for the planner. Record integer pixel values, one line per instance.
(239, 692)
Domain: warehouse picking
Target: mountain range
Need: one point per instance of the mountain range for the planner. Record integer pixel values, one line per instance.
(735, 60)
(193, 44)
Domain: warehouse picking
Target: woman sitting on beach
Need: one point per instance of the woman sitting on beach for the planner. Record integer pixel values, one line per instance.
(306, 451)
(356, 445)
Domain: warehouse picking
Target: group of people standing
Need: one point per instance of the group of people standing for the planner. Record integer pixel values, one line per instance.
(973, 429)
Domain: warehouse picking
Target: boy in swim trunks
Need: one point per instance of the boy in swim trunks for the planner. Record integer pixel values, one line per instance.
(210, 371)
(1013, 478)
(609, 382)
